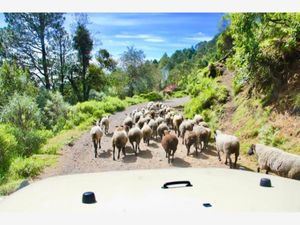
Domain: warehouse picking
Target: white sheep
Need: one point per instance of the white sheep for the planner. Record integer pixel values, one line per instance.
(104, 124)
(227, 144)
(277, 161)
(135, 135)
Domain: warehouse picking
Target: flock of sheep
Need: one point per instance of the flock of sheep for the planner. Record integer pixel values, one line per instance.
(156, 120)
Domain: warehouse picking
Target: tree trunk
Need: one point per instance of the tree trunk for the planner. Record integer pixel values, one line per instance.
(44, 58)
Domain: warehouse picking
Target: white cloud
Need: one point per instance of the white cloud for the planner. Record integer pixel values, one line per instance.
(199, 37)
(145, 37)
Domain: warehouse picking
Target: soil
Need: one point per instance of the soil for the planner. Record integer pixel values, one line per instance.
(80, 158)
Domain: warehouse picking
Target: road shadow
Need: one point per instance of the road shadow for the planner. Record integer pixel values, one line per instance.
(178, 162)
(146, 154)
(129, 158)
(199, 155)
(109, 134)
(105, 154)
(153, 145)
(210, 151)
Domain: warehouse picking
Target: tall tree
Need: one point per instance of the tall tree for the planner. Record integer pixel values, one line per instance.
(105, 60)
(132, 60)
(32, 34)
(83, 44)
(63, 58)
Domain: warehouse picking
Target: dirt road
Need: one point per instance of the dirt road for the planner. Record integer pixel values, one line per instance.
(80, 157)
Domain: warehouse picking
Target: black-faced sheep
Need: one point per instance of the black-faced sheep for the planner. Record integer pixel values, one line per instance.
(277, 161)
(119, 140)
(228, 144)
(135, 136)
(169, 144)
(96, 134)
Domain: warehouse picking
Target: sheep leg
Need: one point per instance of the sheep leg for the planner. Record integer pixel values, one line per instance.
(195, 145)
(148, 141)
(114, 148)
(236, 157)
(95, 148)
(219, 155)
(99, 141)
(119, 150)
(258, 169)
(123, 151)
(230, 161)
(188, 149)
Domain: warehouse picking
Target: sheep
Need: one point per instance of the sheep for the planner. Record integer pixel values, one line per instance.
(190, 139)
(198, 118)
(277, 161)
(203, 134)
(169, 144)
(177, 120)
(119, 140)
(105, 123)
(141, 122)
(128, 122)
(96, 134)
(137, 116)
(135, 135)
(153, 125)
(203, 124)
(147, 132)
(228, 144)
(161, 129)
(169, 119)
(184, 126)
(160, 120)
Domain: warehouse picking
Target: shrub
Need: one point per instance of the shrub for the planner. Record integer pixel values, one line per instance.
(8, 145)
(269, 135)
(22, 112)
(25, 167)
(55, 112)
(152, 96)
(30, 141)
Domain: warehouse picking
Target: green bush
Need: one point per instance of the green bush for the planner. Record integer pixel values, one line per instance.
(269, 135)
(22, 112)
(55, 112)
(30, 141)
(26, 167)
(8, 145)
(152, 96)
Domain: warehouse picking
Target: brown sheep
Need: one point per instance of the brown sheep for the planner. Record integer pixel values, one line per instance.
(169, 144)
(190, 139)
(203, 135)
(161, 129)
(147, 132)
(184, 126)
(119, 140)
(96, 134)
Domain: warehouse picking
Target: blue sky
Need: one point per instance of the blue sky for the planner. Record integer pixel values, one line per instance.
(154, 33)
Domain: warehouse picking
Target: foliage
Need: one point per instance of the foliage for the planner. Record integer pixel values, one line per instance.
(22, 112)
(205, 92)
(269, 135)
(55, 112)
(8, 145)
(152, 96)
(32, 34)
(14, 80)
(264, 48)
